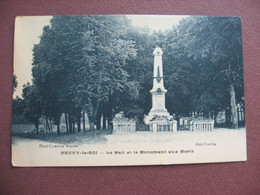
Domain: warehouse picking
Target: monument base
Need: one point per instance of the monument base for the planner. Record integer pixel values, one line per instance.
(154, 113)
(160, 120)
(163, 123)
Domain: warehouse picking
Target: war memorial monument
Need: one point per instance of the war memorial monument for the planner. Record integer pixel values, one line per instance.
(158, 119)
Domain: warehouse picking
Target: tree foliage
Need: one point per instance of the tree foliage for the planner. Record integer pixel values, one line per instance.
(100, 65)
(79, 65)
(206, 58)
(15, 83)
(33, 105)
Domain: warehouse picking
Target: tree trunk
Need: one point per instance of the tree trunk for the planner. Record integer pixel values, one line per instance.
(91, 123)
(66, 120)
(46, 128)
(73, 125)
(228, 118)
(47, 125)
(104, 122)
(98, 121)
(109, 118)
(70, 123)
(79, 130)
(214, 115)
(91, 117)
(233, 107)
(57, 122)
(37, 128)
(84, 127)
(109, 122)
(51, 126)
(58, 129)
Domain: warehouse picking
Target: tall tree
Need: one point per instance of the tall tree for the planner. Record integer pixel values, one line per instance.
(105, 53)
(79, 64)
(33, 105)
(215, 44)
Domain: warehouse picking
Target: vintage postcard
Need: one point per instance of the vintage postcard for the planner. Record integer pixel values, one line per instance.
(120, 90)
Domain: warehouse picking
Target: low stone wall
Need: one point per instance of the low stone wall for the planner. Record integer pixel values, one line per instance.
(122, 124)
(196, 124)
(202, 125)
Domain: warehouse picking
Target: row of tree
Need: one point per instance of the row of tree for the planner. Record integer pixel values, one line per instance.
(100, 65)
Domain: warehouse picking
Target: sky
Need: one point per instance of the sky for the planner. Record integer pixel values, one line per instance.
(155, 22)
(28, 30)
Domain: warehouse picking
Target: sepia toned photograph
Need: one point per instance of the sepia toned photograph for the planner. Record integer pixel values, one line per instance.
(120, 90)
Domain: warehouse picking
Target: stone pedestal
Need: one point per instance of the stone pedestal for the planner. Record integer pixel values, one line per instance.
(163, 124)
(173, 124)
(153, 126)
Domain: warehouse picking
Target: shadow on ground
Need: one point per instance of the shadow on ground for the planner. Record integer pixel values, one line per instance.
(89, 137)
